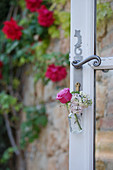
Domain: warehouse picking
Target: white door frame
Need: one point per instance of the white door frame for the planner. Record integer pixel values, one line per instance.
(81, 146)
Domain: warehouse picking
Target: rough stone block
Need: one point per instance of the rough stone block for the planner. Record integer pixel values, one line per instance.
(106, 123)
(107, 41)
(104, 145)
(107, 52)
(100, 165)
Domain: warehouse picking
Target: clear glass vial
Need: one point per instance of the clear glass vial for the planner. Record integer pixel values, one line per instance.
(75, 122)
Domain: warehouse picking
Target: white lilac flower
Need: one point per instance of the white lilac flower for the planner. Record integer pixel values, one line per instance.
(75, 109)
(81, 92)
(79, 102)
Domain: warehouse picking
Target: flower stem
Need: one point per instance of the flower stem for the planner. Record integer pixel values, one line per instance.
(76, 118)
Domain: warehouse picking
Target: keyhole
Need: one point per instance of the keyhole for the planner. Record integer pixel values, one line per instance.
(77, 85)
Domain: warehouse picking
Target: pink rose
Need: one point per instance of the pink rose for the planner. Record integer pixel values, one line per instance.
(45, 17)
(64, 95)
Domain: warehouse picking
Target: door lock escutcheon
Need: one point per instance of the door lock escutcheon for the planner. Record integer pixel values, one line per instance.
(77, 85)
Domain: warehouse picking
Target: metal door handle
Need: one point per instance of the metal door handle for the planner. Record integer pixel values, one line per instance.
(78, 64)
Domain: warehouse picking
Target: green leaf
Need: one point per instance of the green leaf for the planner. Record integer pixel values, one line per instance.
(11, 47)
(104, 12)
(54, 32)
(35, 120)
(42, 120)
(22, 4)
(7, 102)
(8, 154)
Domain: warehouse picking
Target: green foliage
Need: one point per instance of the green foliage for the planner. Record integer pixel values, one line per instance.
(16, 83)
(65, 22)
(4, 143)
(104, 12)
(22, 4)
(62, 18)
(58, 4)
(7, 154)
(4, 8)
(7, 102)
(36, 119)
(59, 1)
(54, 32)
(41, 49)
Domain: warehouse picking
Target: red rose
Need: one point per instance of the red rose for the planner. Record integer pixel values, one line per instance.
(1, 75)
(45, 17)
(12, 30)
(1, 64)
(56, 73)
(33, 5)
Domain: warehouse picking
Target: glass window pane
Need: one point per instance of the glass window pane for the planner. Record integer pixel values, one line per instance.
(104, 120)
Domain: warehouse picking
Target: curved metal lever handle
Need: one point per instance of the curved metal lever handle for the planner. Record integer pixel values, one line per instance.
(78, 64)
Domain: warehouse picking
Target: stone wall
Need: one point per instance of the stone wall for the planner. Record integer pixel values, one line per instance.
(50, 151)
(104, 120)
(104, 101)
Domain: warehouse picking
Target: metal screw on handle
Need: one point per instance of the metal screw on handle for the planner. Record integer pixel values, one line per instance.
(78, 64)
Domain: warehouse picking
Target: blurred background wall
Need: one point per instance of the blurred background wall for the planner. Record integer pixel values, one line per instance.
(104, 100)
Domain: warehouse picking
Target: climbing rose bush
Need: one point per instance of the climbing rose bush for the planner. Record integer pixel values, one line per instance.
(1, 75)
(56, 73)
(33, 5)
(64, 95)
(1, 64)
(45, 17)
(12, 30)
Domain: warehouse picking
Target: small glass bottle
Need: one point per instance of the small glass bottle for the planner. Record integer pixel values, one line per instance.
(75, 122)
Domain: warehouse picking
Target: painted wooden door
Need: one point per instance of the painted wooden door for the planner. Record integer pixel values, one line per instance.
(83, 44)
